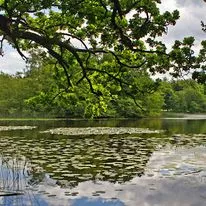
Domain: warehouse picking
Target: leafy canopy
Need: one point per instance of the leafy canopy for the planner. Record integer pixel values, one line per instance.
(99, 45)
(81, 31)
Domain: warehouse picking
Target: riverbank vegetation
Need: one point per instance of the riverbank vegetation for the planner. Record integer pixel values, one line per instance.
(36, 94)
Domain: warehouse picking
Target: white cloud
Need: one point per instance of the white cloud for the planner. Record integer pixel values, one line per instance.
(186, 3)
(11, 62)
(191, 14)
(168, 5)
(172, 177)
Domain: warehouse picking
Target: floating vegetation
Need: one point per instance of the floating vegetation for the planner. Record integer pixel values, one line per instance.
(7, 128)
(190, 140)
(101, 131)
(97, 162)
(115, 154)
(118, 159)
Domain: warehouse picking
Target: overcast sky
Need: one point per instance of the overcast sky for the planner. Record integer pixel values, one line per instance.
(191, 13)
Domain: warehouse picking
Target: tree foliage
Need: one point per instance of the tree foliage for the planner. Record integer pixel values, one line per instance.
(97, 50)
(80, 32)
(14, 90)
(37, 94)
(115, 100)
(184, 96)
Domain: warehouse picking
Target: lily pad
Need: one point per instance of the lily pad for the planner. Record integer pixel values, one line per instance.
(101, 131)
(8, 128)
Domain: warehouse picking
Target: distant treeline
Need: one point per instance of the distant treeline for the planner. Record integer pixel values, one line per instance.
(36, 93)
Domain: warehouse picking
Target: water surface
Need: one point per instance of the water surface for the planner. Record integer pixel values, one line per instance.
(165, 168)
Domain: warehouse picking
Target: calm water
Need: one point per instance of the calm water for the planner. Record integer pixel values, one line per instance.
(166, 168)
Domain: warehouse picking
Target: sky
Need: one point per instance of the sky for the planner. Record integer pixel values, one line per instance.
(191, 13)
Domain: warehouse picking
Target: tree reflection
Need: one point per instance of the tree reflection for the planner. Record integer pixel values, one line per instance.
(69, 161)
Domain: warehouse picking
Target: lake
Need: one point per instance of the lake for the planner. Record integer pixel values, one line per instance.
(146, 162)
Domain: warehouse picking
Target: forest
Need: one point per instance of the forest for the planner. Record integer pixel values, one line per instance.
(35, 93)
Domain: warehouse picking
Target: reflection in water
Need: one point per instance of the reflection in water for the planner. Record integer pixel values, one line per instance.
(141, 169)
(15, 179)
(73, 160)
(96, 202)
(12, 174)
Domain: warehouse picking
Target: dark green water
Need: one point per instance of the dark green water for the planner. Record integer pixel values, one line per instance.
(167, 168)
